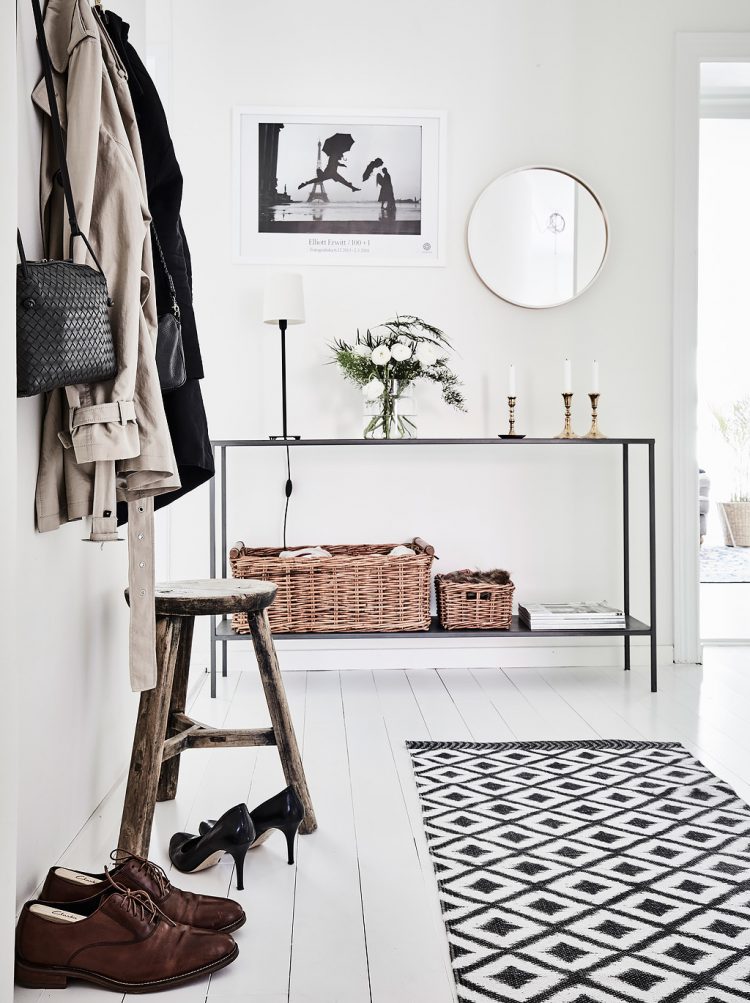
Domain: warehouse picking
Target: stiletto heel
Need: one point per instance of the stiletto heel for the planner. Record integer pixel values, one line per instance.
(239, 864)
(284, 811)
(233, 833)
(290, 835)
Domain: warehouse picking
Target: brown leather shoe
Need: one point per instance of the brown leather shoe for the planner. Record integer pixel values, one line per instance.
(206, 912)
(119, 940)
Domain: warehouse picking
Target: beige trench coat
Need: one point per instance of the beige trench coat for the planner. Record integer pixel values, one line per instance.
(105, 441)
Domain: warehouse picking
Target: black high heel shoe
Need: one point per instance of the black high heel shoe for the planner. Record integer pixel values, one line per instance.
(233, 833)
(284, 811)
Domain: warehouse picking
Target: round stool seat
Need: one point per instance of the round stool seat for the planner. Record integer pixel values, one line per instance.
(212, 597)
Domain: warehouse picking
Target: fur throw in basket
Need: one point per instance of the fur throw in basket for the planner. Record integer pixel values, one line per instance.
(467, 577)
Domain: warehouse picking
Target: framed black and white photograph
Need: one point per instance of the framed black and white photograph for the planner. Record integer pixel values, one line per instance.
(336, 187)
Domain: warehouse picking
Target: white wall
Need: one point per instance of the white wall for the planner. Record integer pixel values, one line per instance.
(9, 702)
(583, 84)
(76, 708)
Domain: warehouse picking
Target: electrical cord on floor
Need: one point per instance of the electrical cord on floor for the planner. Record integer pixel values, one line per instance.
(288, 488)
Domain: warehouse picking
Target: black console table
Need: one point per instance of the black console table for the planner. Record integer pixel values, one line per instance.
(221, 630)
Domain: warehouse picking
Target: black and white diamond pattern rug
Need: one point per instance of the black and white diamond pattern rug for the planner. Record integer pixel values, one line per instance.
(587, 872)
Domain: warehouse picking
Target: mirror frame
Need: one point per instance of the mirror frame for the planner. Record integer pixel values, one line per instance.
(592, 193)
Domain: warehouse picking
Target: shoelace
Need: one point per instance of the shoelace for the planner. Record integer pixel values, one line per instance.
(139, 903)
(152, 870)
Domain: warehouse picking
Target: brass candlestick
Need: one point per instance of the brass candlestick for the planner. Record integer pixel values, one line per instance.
(593, 432)
(511, 415)
(567, 432)
(511, 433)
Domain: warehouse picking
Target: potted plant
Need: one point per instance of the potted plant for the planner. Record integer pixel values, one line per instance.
(734, 426)
(386, 362)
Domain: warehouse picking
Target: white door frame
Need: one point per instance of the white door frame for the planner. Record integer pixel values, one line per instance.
(692, 49)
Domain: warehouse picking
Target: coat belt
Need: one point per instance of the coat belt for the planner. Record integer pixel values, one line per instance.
(94, 414)
(142, 598)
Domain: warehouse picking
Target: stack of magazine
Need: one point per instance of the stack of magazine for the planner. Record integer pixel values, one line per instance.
(570, 616)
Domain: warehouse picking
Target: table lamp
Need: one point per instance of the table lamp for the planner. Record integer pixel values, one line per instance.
(283, 304)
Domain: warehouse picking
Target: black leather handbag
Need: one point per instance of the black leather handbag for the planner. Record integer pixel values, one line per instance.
(170, 353)
(63, 334)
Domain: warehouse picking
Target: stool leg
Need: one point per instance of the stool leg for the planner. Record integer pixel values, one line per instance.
(283, 729)
(170, 771)
(150, 730)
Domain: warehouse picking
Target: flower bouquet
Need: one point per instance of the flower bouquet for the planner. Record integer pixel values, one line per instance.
(387, 361)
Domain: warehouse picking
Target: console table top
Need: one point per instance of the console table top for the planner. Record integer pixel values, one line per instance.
(496, 441)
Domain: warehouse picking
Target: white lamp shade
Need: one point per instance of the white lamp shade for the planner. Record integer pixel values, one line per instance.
(284, 299)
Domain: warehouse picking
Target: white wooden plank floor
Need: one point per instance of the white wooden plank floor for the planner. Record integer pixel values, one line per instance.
(356, 920)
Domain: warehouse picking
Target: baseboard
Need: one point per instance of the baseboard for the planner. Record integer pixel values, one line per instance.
(445, 653)
(725, 642)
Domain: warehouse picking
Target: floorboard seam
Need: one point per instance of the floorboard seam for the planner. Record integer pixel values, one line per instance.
(356, 837)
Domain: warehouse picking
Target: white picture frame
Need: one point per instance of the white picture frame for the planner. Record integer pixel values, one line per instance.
(297, 178)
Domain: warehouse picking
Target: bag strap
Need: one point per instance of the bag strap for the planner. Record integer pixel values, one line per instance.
(75, 229)
(165, 268)
(22, 255)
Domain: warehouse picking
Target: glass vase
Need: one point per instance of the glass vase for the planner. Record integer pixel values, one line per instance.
(392, 415)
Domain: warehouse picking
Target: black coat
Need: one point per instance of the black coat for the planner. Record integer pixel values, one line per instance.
(184, 407)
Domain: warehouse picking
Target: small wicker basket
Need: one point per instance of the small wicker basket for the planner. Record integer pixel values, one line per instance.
(358, 589)
(474, 601)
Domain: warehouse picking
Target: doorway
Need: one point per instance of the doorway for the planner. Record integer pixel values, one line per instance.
(711, 346)
(723, 351)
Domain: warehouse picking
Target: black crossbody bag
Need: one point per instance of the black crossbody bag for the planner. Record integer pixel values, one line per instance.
(170, 353)
(63, 334)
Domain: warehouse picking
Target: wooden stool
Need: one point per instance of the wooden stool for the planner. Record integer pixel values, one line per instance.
(163, 731)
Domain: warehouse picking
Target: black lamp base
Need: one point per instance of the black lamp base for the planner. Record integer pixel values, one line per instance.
(276, 438)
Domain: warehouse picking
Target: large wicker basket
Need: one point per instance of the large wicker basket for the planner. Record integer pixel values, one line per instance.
(735, 523)
(478, 605)
(359, 588)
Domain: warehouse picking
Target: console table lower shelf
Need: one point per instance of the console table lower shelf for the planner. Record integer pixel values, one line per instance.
(633, 628)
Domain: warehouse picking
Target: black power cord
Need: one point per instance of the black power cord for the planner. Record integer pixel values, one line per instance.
(288, 488)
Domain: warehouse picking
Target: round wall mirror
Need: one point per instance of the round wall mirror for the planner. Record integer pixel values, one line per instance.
(537, 237)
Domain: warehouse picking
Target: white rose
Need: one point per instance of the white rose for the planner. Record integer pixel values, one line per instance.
(372, 390)
(380, 355)
(426, 354)
(362, 350)
(400, 351)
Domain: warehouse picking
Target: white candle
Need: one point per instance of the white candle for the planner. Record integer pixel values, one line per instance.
(595, 377)
(511, 380)
(567, 377)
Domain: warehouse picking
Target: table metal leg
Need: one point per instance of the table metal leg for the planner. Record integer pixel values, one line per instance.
(626, 546)
(213, 657)
(212, 568)
(224, 542)
(652, 560)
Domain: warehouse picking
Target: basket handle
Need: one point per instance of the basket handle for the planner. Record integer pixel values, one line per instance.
(237, 550)
(426, 547)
